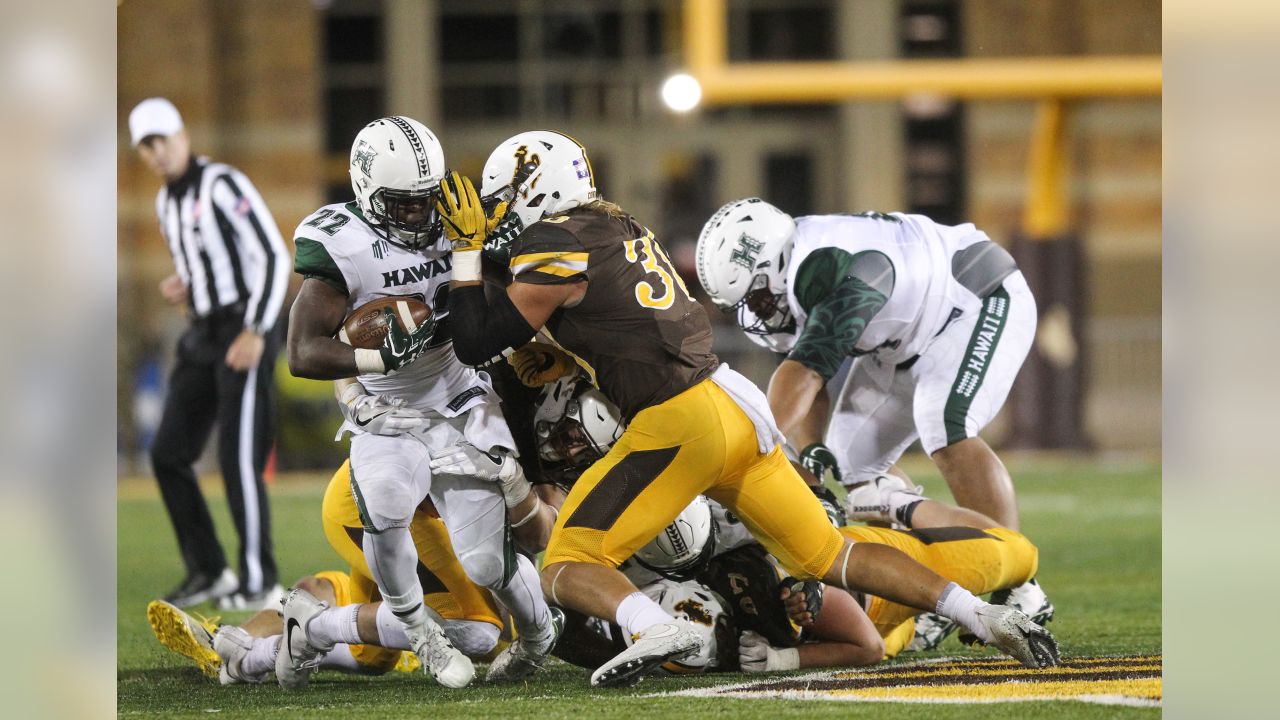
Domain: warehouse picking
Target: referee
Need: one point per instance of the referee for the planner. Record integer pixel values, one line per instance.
(232, 269)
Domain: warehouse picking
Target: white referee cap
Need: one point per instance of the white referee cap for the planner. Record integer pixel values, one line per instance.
(154, 116)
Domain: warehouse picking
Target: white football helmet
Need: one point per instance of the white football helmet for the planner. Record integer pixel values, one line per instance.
(575, 426)
(396, 168)
(705, 611)
(538, 173)
(685, 547)
(742, 258)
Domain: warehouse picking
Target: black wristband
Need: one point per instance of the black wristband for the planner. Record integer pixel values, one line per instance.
(484, 333)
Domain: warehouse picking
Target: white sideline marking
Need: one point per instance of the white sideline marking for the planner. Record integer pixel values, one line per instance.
(744, 690)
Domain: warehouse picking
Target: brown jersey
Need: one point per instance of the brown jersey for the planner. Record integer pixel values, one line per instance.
(637, 332)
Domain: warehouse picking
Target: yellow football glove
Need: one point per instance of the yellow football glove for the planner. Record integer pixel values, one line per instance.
(459, 207)
(499, 212)
(537, 364)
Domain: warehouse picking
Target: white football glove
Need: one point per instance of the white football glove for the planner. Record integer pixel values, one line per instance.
(755, 654)
(379, 414)
(469, 461)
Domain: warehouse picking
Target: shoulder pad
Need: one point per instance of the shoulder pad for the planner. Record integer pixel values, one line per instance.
(548, 252)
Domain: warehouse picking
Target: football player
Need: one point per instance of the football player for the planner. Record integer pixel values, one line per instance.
(388, 242)
(938, 320)
(361, 634)
(706, 567)
(603, 289)
(785, 624)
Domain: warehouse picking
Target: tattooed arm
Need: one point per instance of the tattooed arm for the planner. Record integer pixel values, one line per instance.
(835, 324)
(847, 292)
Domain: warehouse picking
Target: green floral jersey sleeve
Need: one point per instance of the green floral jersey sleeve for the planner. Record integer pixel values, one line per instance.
(840, 292)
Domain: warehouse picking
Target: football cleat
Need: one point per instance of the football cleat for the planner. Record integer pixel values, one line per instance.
(188, 635)
(241, 600)
(523, 658)
(1028, 597)
(408, 663)
(931, 630)
(653, 647)
(1015, 634)
(869, 501)
(232, 644)
(198, 587)
(298, 658)
(439, 658)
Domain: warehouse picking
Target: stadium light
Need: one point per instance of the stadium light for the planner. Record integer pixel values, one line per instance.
(681, 92)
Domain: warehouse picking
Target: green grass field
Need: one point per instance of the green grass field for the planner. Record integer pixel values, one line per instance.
(1097, 526)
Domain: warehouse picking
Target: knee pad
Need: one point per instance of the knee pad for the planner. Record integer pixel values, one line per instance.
(485, 569)
(384, 500)
(471, 637)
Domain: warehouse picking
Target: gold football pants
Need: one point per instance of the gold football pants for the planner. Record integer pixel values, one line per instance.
(697, 442)
(980, 561)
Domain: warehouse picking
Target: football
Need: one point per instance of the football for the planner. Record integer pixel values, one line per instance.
(366, 327)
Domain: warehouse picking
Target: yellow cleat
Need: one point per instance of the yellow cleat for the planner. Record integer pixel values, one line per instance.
(188, 635)
(408, 663)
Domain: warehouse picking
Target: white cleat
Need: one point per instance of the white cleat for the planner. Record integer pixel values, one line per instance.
(931, 630)
(523, 658)
(439, 658)
(1014, 633)
(1028, 598)
(869, 501)
(298, 658)
(654, 646)
(232, 645)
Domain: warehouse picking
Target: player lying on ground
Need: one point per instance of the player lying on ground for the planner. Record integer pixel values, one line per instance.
(753, 617)
(938, 320)
(603, 288)
(389, 242)
(365, 636)
(714, 573)
(957, 543)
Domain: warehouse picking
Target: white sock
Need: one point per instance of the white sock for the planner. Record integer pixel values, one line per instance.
(333, 626)
(901, 506)
(637, 613)
(341, 659)
(393, 562)
(963, 606)
(523, 599)
(261, 657)
(391, 632)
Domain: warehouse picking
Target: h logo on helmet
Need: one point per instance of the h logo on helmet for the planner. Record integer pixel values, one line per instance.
(364, 157)
(746, 252)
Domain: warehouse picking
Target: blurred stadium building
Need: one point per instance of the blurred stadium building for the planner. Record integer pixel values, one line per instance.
(279, 89)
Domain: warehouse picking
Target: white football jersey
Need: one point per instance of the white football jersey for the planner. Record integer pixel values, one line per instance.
(335, 245)
(924, 290)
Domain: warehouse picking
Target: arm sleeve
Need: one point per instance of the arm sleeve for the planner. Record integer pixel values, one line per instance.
(845, 291)
(547, 254)
(484, 333)
(266, 259)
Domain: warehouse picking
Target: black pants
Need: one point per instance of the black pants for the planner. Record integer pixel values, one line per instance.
(202, 390)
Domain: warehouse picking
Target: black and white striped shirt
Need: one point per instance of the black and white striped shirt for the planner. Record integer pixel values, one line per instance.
(225, 244)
